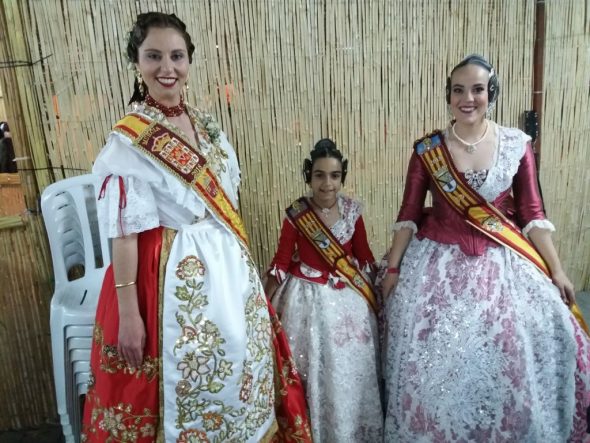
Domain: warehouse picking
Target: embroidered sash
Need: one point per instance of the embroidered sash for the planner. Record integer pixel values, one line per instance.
(321, 238)
(186, 163)
(476, 211)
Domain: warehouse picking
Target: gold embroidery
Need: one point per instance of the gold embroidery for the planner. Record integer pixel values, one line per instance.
(111, 362)
(122, 423)
(205, 370)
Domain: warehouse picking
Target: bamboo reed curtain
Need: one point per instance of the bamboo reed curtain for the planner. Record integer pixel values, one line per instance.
(279, 75)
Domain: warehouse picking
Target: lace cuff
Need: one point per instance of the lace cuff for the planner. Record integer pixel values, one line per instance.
(127, 206)
(404, 224)
(277, 273)
(541, 224)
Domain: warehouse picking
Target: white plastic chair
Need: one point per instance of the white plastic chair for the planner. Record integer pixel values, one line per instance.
(77, 243)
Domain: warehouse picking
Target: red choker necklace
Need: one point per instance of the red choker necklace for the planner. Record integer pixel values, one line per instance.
(173, 111)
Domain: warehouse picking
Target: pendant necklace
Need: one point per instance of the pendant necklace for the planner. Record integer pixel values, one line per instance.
(325, 212)
(470, 147)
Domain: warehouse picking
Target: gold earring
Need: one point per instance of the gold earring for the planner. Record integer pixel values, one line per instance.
(185, 89)
(140, 83)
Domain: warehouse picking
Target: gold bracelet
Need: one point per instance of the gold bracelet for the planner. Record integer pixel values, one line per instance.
(124, 285)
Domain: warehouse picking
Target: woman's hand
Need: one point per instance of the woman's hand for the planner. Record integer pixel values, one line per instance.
(388, 284)
(131, 339)
(565, 286)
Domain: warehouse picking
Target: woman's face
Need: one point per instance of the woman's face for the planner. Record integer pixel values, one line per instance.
(163, 63)
(326, 179)
(469, 94)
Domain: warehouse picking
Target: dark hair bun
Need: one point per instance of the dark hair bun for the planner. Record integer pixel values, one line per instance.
(324, 148)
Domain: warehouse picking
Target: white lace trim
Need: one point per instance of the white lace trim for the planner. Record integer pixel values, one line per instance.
(510, 150)
(176, 203)
(139, 214)
(541, 224)
(404, 224)
(308, 271)
(350, 211)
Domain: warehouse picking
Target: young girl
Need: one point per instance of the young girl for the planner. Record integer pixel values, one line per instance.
(326, 304)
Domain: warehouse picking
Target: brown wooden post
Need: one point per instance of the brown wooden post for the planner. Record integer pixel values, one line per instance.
(538, 66)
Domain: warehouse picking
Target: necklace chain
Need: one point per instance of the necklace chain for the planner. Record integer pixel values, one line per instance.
(325, 211)
(471, 147)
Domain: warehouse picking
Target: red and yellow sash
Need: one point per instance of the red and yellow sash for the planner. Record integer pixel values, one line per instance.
(476, 211)
(186, 163)
(329, 248)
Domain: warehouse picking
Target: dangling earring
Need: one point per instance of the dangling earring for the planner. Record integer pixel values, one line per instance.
(140, 83)
(184, 90)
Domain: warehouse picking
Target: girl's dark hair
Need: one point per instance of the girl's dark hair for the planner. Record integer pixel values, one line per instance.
(322, 149)
(493, 82)
(140, 31)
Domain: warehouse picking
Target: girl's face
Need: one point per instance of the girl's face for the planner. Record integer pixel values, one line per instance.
(469, 94)
(326, 179)
(163, 63)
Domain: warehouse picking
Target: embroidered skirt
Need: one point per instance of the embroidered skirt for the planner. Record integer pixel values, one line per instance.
(208, 367)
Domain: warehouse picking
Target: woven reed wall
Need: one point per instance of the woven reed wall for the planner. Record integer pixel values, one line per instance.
(566, 130)
(278, 75)
(2, 109)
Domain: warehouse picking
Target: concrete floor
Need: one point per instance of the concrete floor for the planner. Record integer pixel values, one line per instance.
(51, 433)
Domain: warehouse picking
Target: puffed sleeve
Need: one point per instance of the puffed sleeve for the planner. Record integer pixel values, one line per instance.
(360, 246)
(416, 187)
(282, 259)
(527, 198)
(126, 202)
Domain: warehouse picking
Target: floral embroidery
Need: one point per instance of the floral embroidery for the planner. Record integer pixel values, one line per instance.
(247, 377)
(111, 362)
(298, 433)
(211, 127)
(463, 358)
(212, 421)
(192, 436)
(121, 422)
(183, 387)
(203, 368)
(210, 133)
(348, 330)
(194, 366)
(189, 267)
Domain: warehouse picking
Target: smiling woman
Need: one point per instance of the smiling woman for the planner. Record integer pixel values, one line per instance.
(480, 343)
(163, 64)
(180, 351)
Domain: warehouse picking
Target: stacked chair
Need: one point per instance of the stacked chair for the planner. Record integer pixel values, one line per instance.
(80, 252)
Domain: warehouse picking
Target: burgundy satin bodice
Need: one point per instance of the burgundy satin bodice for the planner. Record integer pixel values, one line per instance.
(443, 224)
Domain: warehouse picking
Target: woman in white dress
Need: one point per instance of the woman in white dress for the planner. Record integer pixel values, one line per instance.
(480, 344)
(183, 341)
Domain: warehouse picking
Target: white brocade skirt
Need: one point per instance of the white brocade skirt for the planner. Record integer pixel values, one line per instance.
(216, 341)
(481, 348)
(334, 340)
